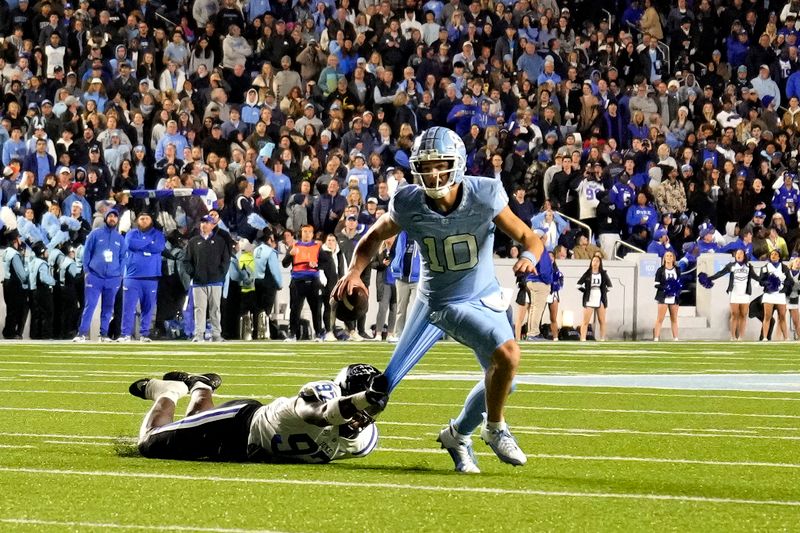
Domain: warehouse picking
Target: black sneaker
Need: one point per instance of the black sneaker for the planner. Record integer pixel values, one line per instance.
(212, 380)
(137, 388)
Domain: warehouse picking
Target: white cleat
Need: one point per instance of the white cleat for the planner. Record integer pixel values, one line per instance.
(145, 339)
(355, 337)
(330, 337)
(126, 338)
(460, 449)
(391, 339)
(105, 339)
(504, 445)
(79, 338)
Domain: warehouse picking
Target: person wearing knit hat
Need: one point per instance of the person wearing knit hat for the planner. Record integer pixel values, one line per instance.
(144, 245)
(103, 256)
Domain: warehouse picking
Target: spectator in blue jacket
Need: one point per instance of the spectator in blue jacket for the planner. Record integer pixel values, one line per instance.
(792, 87)
(642, 214)
(460, 117)
(404, 268)
(706, 243)
(103, 256)
(744, 242)
(622, 193)
(39, 162)
(660, 243)
(15, 146)
(328, 208)
(144, 245)
(738, 48)
(786, 198)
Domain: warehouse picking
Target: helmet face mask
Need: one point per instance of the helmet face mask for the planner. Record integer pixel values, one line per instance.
(438, 145)
(355, 378)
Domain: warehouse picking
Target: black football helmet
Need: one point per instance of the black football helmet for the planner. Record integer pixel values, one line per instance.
(355, 378)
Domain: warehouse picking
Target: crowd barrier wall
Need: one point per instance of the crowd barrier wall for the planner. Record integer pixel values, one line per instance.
(631, 309)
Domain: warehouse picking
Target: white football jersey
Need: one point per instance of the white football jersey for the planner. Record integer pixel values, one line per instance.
(279, 429)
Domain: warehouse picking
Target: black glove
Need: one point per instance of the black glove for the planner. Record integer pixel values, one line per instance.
(64, 227)
(378, 391)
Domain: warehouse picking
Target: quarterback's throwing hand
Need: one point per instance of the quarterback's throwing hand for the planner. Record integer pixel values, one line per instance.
(525, 266)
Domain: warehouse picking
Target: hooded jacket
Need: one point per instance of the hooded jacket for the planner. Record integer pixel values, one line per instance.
(104, 252)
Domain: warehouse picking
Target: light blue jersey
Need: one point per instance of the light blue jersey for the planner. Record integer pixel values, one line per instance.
(458, 292)
(457, 248)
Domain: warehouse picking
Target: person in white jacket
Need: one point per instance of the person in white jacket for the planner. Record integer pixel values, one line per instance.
(172, 78)
(235, 48)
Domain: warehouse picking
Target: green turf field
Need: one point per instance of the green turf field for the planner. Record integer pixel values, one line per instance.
(630, 455)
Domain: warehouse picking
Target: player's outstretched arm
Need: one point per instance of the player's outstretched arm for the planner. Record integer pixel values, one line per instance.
(532, 245)
(366, 249)
(338, 411)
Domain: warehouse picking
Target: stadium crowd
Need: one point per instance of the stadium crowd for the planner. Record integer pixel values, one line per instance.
(280, 130)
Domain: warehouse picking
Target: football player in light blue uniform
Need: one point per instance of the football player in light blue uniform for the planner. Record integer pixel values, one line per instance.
(453, 217)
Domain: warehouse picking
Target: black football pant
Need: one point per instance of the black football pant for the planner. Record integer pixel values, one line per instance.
(300, 291)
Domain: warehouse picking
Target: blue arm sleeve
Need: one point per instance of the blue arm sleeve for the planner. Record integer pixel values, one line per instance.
(631, 217)
(159, 155)
(45, 276)
(370, 183)
(88, 248)
(158, 244)
(133, 245)
(264, 169)
(19, 267)
(275, 270)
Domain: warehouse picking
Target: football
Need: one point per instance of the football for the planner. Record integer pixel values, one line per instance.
(352, 306)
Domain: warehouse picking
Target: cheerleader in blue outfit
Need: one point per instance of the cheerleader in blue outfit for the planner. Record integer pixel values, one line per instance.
(668, 291)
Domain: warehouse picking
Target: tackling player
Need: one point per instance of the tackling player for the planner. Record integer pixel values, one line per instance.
(325, 421)
(453, 217)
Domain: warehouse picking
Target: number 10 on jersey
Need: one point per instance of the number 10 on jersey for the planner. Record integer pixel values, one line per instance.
(458, 252)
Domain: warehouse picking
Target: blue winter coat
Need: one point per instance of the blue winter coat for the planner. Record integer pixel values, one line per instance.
(96, 257)
(143, 257)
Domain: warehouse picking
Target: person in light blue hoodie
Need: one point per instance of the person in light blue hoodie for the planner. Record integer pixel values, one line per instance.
(366, 179)
(268, 276)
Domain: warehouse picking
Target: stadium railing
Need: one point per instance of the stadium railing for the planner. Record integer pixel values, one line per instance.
(619, 244)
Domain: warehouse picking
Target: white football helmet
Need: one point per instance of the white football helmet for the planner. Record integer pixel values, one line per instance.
(439, 144)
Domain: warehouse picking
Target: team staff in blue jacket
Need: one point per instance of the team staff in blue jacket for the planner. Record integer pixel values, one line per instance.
(103, 254)
(405, 267)
(142, 270)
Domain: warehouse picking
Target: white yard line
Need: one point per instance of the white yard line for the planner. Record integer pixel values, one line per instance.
(597, 410)
(79, 443)
(603, 458)
(522, 388)
(360, 485)
(457, 406)
(437, 451)
(141, 527)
